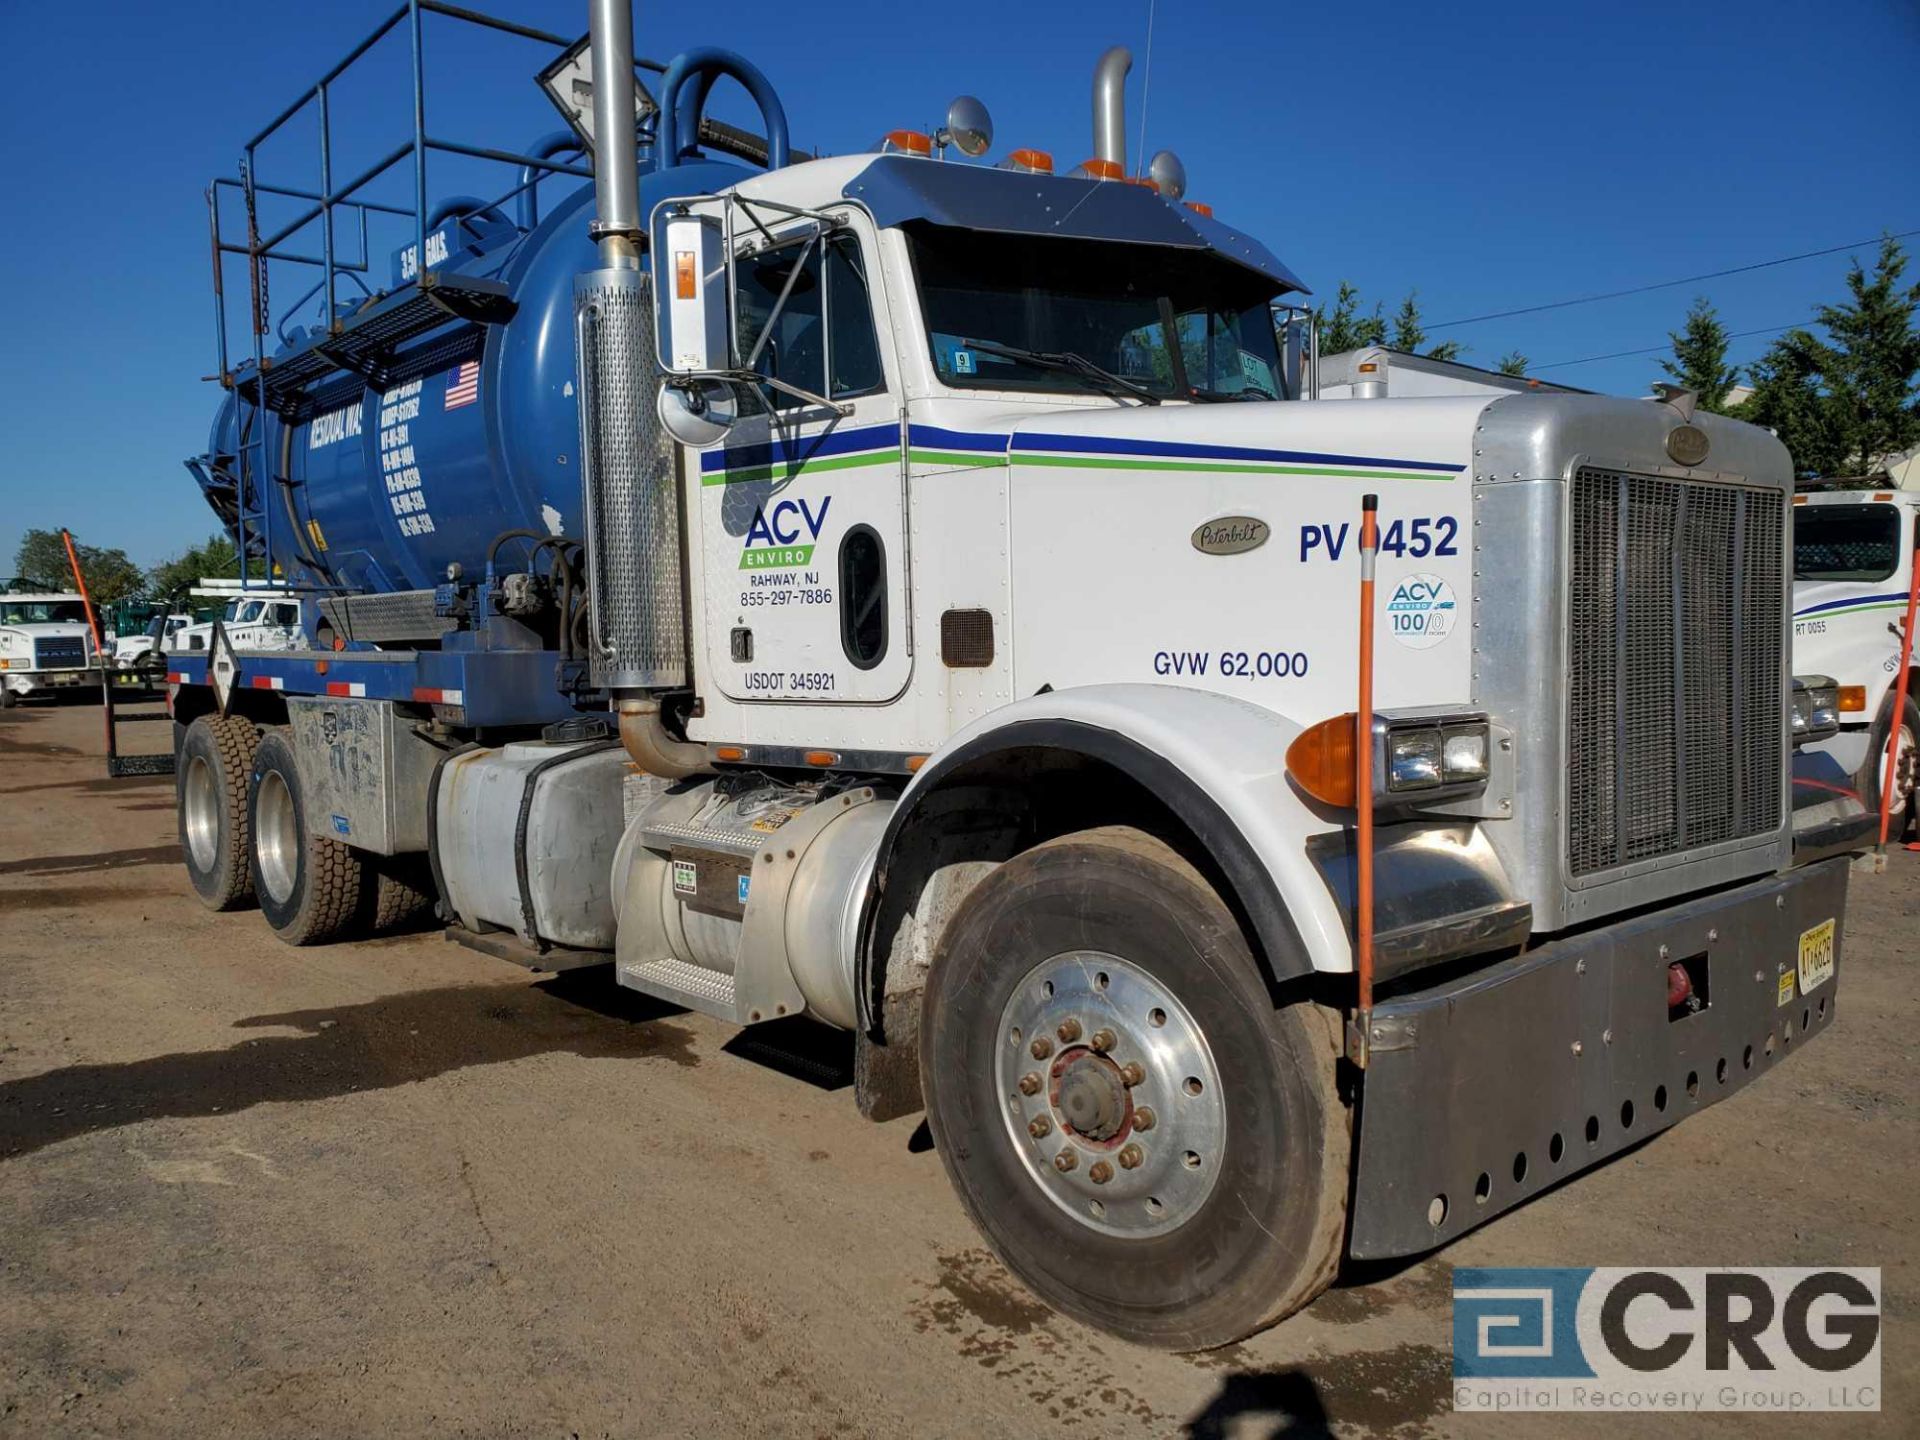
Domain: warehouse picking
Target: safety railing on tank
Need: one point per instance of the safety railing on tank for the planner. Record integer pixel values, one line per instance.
(321, 203)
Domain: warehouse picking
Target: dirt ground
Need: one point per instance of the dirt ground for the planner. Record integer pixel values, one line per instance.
(401, 1189)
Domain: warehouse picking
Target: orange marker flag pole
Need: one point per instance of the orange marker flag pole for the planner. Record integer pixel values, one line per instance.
(1899, 711)
(1363, 771)
(80, 583)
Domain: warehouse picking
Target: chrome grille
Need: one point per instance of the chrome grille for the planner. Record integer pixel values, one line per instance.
(1674, 704)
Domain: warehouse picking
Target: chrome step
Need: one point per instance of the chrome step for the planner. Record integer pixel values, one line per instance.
(693, 986)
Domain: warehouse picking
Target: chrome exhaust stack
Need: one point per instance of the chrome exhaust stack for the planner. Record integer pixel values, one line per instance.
(629, 486)
(1110, 105)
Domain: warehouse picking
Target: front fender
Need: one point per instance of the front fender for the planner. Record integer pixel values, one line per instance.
(1217, 762)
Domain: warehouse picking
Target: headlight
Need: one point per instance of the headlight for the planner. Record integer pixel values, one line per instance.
(1414, 758)
(1816, 707)
(1428, 757)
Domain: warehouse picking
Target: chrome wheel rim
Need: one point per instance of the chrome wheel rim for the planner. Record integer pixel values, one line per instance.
(1110, 1095)
(276, 836)
(201, 808)
(1903, 766)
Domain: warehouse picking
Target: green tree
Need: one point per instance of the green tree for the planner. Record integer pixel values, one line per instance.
(1409, 335)
(1513, 363)
(216, 559)
(1344, 327)
(1699, 360)
(110, 575)
(1845, 405)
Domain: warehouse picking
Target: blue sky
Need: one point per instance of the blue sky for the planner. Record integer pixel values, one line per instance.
(1489, 156)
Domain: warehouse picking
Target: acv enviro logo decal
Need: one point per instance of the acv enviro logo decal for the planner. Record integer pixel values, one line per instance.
(1231, 535)
(782, 536)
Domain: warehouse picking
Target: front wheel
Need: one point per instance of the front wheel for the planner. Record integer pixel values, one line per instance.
(1906, 767)
(1143, 1137)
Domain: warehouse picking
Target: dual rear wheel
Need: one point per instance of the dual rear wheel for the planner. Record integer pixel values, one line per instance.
(246, 837)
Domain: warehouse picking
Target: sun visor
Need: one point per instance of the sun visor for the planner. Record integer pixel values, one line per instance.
(897, 189)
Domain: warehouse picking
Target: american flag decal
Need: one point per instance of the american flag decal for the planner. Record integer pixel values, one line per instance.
(463, 385)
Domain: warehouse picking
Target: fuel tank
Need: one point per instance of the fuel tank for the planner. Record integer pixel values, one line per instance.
(383, 488)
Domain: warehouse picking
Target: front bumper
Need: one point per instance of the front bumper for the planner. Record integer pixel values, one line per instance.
(31, 682)
(1484, 1091)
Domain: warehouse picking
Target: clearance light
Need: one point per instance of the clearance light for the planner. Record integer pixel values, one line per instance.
(906, 142)
(1799, 499)
(685, 279)
(1369, 367)
(729, 752)
(1853, 699)
(1200, 207)
(1097, 169)
(914, 762)
(1031, 162)
(1883, 495)
(822, 758)
(1320, 760)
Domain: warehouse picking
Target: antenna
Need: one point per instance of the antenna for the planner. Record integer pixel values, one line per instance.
(1146, 85)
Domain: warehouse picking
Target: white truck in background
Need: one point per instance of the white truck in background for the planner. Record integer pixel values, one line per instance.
(46, 646)
(1853, 553)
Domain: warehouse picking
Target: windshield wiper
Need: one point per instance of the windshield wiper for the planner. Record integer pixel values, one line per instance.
(1069, 363)
(1216, 397)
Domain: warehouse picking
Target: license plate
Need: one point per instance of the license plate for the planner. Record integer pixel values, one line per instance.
(1816, 955)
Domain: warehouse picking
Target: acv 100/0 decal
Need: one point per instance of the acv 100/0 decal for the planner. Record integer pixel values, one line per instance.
(1232, 664)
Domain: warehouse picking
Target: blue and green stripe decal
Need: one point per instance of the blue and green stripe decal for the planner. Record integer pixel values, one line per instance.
(1888, 600)
(931, 445)
(778, 460)
(871, 445)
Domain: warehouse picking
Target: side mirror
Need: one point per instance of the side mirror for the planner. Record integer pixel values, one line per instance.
(691, 300)
(697, 413)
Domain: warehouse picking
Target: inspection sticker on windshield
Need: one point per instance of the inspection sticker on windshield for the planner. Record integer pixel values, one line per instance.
(963, 362)
(1816, 955)
(1420, 611)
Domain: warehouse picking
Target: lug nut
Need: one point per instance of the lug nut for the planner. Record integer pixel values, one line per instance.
(1042, 1048)
(1130, 1157)
(1069, 1031)
(1065, 1161)
(1102, 1041)
(1030, 1084)
(1134, 1073)
(1100, 1173)
(1039, 1126)
(1143, 1118)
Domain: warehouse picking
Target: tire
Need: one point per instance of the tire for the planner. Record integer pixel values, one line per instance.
(400, 892)
(311, 889)
(214, 760)
(1870, 772)
(1249, 1173)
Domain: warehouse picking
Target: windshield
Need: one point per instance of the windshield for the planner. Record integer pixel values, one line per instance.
(1173, 322)
(43, 612)
(1845, 542)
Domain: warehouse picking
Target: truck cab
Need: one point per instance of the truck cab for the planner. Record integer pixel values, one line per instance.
(46, 645)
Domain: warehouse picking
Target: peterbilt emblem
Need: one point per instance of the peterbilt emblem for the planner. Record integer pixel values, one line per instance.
(1687, 444)
(1231, 535)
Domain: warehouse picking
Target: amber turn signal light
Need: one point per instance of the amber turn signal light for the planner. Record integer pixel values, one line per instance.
(1853, 697)
(1320, 760)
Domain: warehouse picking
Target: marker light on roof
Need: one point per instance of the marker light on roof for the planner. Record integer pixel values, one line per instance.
(1098, 169)
(905, 142)
(1031, 162)
(1200, 208)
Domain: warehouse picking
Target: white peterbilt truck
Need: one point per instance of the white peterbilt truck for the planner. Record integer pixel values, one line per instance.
(974, 595)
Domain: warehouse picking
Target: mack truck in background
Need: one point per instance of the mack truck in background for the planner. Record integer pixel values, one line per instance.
(46, 645)
(911, 592)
